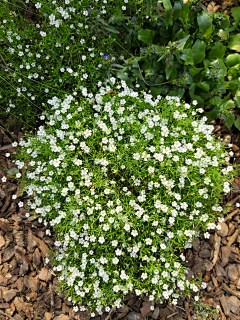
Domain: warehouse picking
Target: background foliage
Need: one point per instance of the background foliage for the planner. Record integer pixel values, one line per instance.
(185, 51)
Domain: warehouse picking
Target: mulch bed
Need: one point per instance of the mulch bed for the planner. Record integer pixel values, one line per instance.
(223, 6)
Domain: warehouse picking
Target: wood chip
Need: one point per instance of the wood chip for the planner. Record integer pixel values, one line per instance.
(6, 147)
(225, 306)
(231, 291)
(233, 237)
(231, 214)
(216, 248)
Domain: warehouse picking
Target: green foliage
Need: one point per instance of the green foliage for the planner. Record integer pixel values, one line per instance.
(126, 181)
(58, 51)
(185, 52)
(205, 312)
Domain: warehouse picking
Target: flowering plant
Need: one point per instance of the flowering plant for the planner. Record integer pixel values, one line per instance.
(57, 52)
(126, 182)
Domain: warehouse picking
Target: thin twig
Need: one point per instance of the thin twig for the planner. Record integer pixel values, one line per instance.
(231, 214)
(171, 315)
(5, 63)
(181, 308)
(4, 314)
(233, 237)
(230, 203)
(109, 315)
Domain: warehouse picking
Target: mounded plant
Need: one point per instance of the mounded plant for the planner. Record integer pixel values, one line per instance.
(126, 182)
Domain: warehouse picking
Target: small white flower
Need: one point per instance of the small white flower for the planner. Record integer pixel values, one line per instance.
(115, 260)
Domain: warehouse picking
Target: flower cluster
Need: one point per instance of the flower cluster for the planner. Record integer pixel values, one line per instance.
(126, 182)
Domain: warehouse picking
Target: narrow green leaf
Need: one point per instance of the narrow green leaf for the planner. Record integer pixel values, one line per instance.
(117, 65)
(149, 2)
(111, 29)
(117, 17)
(205, 24)
(182, 42)
(168, 19)
(163, 55)
(234, 42)
(177, 10)
(198, 51)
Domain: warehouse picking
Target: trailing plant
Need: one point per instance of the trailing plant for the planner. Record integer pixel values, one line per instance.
(126, 182)
(181, 49)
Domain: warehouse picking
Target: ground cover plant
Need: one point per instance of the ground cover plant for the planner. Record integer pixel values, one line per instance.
(181, 49)
(126, 186)
(49, 47)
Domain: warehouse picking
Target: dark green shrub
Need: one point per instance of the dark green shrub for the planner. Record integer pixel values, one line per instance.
(185, 51)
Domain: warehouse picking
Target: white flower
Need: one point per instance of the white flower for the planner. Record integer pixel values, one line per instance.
(150, 169)
(115, 260)
(144, 276)
(101, 240)
(134, 233)
(148, 241)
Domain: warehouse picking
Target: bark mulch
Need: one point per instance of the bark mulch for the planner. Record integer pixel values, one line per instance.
(28, 286)
(223, 6)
